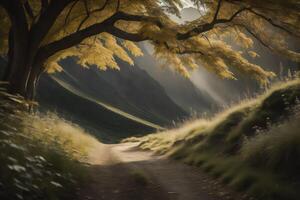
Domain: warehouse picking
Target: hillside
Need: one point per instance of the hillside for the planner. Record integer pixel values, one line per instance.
(44, 156)
(105, 122)
(181, 90)
(252, 147)
(131, 89)
(100, 96)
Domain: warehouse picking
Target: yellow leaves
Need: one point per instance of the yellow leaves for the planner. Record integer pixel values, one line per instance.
(166, 34)
(130, 27)
(235, 59)
(217, 66)
(111, 43)
(172, 60)
(53, 67)
(253, 54)
(217, 57)
(189, 61)
(99, 51)
(149, 30)
(132, 48)
(97, 55)
(243, 40)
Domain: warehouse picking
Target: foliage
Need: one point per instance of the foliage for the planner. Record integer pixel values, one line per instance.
(88, 29)
(42, 156)
(263, 160)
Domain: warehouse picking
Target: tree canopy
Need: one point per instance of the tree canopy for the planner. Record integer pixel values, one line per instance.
(98, 31)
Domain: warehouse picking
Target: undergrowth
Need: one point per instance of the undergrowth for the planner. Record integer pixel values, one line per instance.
(41, 155)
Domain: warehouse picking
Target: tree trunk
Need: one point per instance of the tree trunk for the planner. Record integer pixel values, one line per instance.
(24, 79)
(20, 64)
(33, 80)
(24, 68)
(18, 80)
(10, 54)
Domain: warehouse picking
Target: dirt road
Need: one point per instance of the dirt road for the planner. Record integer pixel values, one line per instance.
(123, 172)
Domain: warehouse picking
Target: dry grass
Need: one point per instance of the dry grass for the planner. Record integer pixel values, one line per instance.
(42, 156)
(252, 146)
(52, 131)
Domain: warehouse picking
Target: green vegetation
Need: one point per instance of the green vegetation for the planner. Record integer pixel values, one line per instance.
(41, 155)
(253, 147)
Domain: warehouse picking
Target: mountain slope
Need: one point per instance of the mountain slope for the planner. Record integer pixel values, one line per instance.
(114, 104)
(131, 89)
(105, 124)
(182, 91)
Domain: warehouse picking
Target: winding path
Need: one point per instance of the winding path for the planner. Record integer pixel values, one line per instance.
(123, 172)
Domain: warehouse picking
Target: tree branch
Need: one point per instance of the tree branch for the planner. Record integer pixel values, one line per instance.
(44, 5)
(182, 52)
(260, 40)
(138, 18)
(105, 26)
(190, 52)
(135, 37)
(208, 26)
(90, 12)
(118, 6)
(41, 28)
(70, 10)
(29, 10)
(108, 26)
(217, 10)
(87, 14)
(270, 21)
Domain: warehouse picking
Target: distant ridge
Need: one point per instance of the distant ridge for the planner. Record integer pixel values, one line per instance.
(106, 106)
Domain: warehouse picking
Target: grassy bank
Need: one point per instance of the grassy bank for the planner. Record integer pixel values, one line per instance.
(253, 146)
(41, 155)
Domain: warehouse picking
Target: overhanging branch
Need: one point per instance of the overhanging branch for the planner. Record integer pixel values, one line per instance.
(135, 37)
(88, 13)
(208, 26)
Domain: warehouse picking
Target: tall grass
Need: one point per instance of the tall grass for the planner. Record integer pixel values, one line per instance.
(253, 146)
(277, 149)
(42, 156)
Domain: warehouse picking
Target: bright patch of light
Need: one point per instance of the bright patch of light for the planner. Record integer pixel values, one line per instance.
(187, 4)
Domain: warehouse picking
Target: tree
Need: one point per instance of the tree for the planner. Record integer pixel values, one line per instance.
(36, 34)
